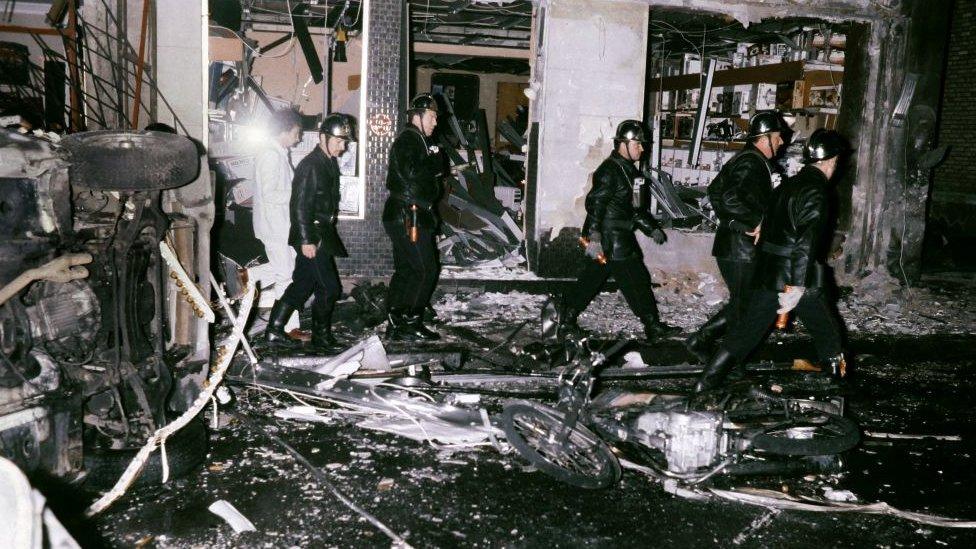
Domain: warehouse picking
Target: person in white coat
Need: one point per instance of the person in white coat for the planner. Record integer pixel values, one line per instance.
(272, 192)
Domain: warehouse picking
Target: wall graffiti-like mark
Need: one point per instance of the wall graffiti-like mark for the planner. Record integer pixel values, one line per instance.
(381, 125)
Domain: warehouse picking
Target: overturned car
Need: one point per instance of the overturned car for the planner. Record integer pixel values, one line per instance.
(97, 344)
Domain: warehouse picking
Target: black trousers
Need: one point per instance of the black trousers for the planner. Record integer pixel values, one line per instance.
(416, 267)
(317, 276)
(814, 310)
(738, 279)
(632, 276)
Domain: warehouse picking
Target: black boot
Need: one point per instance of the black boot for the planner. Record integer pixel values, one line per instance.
(398, 328)
(415, 319)
(655, 329)
(322, 339)
(702, 343)
(275, 335)
(430, 315)
(715, 371)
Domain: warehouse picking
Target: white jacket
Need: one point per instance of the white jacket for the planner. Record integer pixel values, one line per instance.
(272, 193)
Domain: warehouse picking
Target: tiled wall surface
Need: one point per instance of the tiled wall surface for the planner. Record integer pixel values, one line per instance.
(369, 247)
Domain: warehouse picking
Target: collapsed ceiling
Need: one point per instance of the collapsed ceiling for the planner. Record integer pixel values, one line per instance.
(459, 23)
(674, 33)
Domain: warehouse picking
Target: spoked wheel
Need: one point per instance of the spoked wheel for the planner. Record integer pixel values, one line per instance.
(578, 457)
(808, 435)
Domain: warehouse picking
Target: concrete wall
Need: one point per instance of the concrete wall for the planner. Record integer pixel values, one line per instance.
(591, 75)
(487, 89)
(182, 63)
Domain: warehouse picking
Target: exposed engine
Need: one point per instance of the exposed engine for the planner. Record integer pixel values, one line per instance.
(83, 361)
(690, 440)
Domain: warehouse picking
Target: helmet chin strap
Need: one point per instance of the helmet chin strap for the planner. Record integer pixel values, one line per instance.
(627, 148)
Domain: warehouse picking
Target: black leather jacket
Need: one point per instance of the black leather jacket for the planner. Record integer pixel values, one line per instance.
(615, 210)
(739, 194)
(793, 244)
(314, 205)
(413, 178)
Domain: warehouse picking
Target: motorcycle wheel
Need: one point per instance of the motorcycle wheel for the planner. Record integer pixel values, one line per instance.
(583, 460)
(808, 435)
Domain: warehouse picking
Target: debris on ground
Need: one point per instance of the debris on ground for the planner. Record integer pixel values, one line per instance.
(238, 522)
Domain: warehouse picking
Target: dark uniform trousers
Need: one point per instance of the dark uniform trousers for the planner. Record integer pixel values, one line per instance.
(738, 279)
(632, 277)
(813, 310)
(318, 276)
(416, 267)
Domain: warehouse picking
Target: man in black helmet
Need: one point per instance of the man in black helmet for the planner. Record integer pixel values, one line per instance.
(739, 194)
(791, 268)
(314, 210)
(616, 206)
(410, 219)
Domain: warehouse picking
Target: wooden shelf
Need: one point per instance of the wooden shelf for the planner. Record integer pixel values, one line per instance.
(772, 74)
(709, 145)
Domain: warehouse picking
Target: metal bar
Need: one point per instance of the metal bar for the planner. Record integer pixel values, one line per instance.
(152, 82)
(83, 96)
(29, 30)
(470, 51)
(274, 44)
(70, 40)
(98, 80)
(701, 118)
(305, 41)
(140, 64)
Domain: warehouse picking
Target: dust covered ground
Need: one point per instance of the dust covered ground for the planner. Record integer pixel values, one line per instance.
(915, 358)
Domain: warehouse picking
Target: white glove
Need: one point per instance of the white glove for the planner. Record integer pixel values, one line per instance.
(594, 249)
(434, 149)
(789, 299)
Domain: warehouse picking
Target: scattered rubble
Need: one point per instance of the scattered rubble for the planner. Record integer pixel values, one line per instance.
(238, 522)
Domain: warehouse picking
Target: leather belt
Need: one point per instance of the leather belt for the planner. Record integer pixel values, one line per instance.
(776, 249)
(409, 201)
(617, 224)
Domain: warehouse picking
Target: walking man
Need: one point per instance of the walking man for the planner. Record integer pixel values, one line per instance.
(739, 194)
(410, 219)
(616, 206)
(272, 193)
(314, 210)
(791, 268)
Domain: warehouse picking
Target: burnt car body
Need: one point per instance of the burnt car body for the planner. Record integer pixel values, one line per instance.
(88, 365)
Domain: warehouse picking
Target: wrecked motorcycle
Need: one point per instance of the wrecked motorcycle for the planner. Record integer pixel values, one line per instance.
(742, 429)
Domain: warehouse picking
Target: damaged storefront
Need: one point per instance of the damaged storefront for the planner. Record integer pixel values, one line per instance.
(864, 68)
(301, 273)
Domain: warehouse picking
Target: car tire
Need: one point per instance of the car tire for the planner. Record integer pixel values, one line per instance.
(185, 450)
(130, 161)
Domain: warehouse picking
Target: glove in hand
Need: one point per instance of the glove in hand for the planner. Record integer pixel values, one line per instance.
(788, 300)
(594, 249)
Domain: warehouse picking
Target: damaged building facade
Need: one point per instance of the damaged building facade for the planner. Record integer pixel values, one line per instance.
(145, 376)
(577, 84)
(891, 92)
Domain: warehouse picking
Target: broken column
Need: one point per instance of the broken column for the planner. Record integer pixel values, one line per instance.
(588, 77)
